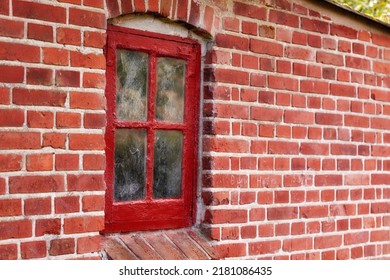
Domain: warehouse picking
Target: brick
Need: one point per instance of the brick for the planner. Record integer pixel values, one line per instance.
(343, 31)
(62, 246)
(19, 52)
(47, 226)
(265, 47)
(83, 224)
(66, 204)
(87, 18)
(379, 123)
(342, 90)
(11, 118)
(329, 119)
(356, 180)
(356, 238)
(298, 117)
(39, 119)
(283, 83)
(94, 39)
(67, 162)
(250, 11)
(381, 67)
(40, 32)
(94, 162)
(68, 120)
(230, 250)
(8, 251)
(356, 121)
(231, 76)
(65, 78)
(314, 149)
(343, 149)
(280, 147)
(298, 244)
(267, 31)
(68, 36)
(309, 212)
(39, 11)
(93, 203)
(15, 229)
(282, 213)
(313, 86)
(10, 207)
(39, 76)
(266, 114)
(94, 80)
(33, 249)
(88, 244)
(94, 3)
(20, 140)
(358, 63)
(264, 247)
(380, 236)
(86, 142)
(54, 140)
(300, 53)
(36, 184)
(38, 97)
(39, 162)
(87, 60)
(55, 56)
(330, 58)
(11, 74)
(283, 18)
(226, 145)
(194, 13)
(11, 28)
(330, 241)
(85, 182)
(232, 42)
(86, 100)
(328, 180)
(315, 25)
(257, 214)
(37, 206)
(380, 179)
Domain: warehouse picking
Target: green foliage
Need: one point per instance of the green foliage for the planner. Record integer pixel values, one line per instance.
(379, 9)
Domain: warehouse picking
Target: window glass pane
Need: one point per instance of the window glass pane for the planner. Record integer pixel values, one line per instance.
(167, 164)
(130, 164)
(131, 85)
(170, 89)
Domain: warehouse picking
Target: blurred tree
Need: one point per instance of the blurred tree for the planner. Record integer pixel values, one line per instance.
(379, 9)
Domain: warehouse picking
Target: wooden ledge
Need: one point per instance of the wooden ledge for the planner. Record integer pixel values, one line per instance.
(180, 244)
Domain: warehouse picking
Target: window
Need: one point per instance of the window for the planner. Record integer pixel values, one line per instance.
(152, 130)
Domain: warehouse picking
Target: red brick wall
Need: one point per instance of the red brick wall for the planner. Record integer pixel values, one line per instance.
(295, 128)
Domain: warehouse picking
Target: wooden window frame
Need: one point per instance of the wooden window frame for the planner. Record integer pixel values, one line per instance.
(151, 214)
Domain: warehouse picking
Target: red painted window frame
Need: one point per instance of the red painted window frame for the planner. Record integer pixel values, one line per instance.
(162, 213)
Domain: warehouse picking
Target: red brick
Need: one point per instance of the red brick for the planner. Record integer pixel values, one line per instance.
(380, 236)
(182, 10)
(87, 60)
(226, 145)
(20, 52)
(328, 180)
(380, 179)
(33, 249)
(47, 226)
(266, 47)
(264, 247)
(343, 31)
(283, 83)
(266, 114)
(68, 120)
(94, 162)
(356, 180)
(342, 90)
(68, 36)
(38, 97)
(231, 76)
(87, 18)
(94, 39)
(36, 184)
(356, 238)
(86, 100)
(298, 117)
(315, 25)
(62, 246)
(329, 241)
(39, 119)
(86, 142)
(10, 207)
(230, 250)
(94, 80)
(93, 203)
(250, 11)
(330, 58)
(20, 140)
(8, 251)
(194, 13)
(329, 119)
(37, 206)
(55, 56)
(65, 78)
(39, 76)
(94, 3)
(15, 229)
(85, 182)
(314, 86)
(39, 11)
(300, 53)
(314, 149)
(226, 216)
(282, 213)
(279, 147)
(297, 180)
(314, 212)
(10, 162)
(40, 32)
(283, 18)
(11, 118)
(88, 244)
(67, 162)
(39, 162)
(66, 204)
(54, 140)
(83, 224)
(298, 244)
(358, 63)
(11, 74)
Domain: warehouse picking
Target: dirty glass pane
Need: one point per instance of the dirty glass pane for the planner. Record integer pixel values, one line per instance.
(130, 164)
(171, 74)
(167, 164)
(131, 85)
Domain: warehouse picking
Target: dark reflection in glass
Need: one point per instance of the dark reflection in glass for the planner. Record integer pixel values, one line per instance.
(171, 74)
(167, 164)
(131, 85)
(130, 164)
